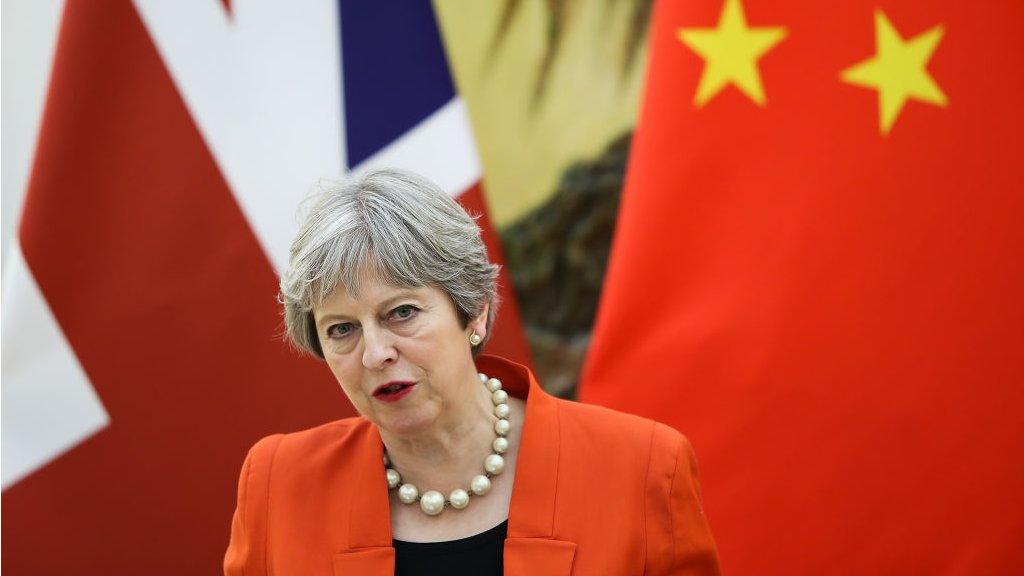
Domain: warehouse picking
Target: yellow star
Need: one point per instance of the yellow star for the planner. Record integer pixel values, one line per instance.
(898, 71)
(730, 53)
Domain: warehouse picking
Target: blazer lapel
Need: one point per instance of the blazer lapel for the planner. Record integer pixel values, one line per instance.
(368, 543)
(531, 548)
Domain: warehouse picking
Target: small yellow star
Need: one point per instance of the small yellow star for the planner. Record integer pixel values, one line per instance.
(898, 71)
(730, 53)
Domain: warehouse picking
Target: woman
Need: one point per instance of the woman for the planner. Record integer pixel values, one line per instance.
(459, 463)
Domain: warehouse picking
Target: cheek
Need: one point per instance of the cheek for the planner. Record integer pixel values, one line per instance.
(421, 345)
(438, 353)
(345, 372)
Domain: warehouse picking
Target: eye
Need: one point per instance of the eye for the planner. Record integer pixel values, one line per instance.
(339, 330)
(404, 312)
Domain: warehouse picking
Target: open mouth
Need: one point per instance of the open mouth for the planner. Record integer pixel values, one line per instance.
(393, 390)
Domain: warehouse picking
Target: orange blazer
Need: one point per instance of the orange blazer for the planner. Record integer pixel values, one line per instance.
(595, 492)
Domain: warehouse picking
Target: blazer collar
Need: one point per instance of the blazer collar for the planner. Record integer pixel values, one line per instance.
(531, 513)
(531, 548)
(530, 543)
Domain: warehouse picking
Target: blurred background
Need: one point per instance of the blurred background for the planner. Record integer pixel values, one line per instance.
(811, 266)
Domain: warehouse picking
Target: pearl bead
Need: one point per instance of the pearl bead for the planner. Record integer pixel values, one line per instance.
(407, 493)
(499, 397)
(501, 410)
(393, 477)
(494, 464)
(494, 384)
(480, 485)
(483, 377)
(459, 498)
(500, 445)
(501, 427)
(432, 502)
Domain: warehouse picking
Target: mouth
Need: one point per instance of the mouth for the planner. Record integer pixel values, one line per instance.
(393, 391)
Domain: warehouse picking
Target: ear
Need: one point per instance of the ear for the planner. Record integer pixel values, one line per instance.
(478, 325)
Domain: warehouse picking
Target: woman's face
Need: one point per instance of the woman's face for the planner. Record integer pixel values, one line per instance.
(406, 337)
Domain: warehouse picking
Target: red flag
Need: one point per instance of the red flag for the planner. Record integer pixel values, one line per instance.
(816, 276)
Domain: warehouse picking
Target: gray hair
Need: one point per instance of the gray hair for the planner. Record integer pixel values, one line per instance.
(397, 224)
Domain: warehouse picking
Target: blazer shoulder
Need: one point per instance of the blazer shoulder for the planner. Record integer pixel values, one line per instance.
(672, 457)
(279, 470)
(602, 421)
(670, 441)
(628, 434)
(601, 414)
(329, 432)
(623, 440)
(304, 446)
(321, 444)
(677, 531)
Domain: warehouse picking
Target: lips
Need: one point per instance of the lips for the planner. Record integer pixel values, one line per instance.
(393, 391)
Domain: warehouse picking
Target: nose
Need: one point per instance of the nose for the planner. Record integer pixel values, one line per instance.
(378, 348)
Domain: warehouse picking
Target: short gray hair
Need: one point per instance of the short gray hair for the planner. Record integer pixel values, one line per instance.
(397, 224)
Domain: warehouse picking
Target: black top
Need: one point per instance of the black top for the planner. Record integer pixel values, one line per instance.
(479, 555)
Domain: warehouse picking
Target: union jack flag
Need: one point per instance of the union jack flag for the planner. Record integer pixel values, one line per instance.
(141, 331)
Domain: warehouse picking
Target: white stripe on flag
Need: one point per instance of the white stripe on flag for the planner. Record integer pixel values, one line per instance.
(263, 85)
(440, 148)
(49, 405)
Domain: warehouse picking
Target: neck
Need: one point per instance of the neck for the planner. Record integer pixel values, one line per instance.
(450, 452)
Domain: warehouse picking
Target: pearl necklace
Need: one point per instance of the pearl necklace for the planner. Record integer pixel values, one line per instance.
(433, 502)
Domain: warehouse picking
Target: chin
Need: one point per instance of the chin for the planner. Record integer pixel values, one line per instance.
(408, 422)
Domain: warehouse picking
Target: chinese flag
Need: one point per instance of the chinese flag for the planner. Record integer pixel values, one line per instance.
(817, 276)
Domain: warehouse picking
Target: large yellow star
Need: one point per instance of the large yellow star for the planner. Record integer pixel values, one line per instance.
(898, 71)
(730, 53)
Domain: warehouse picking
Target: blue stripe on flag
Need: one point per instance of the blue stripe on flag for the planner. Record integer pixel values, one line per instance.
(394, 68)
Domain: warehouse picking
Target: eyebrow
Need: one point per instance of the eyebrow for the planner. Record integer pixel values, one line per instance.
(386, 303)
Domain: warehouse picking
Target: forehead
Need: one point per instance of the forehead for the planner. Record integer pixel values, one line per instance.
(371, 293)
